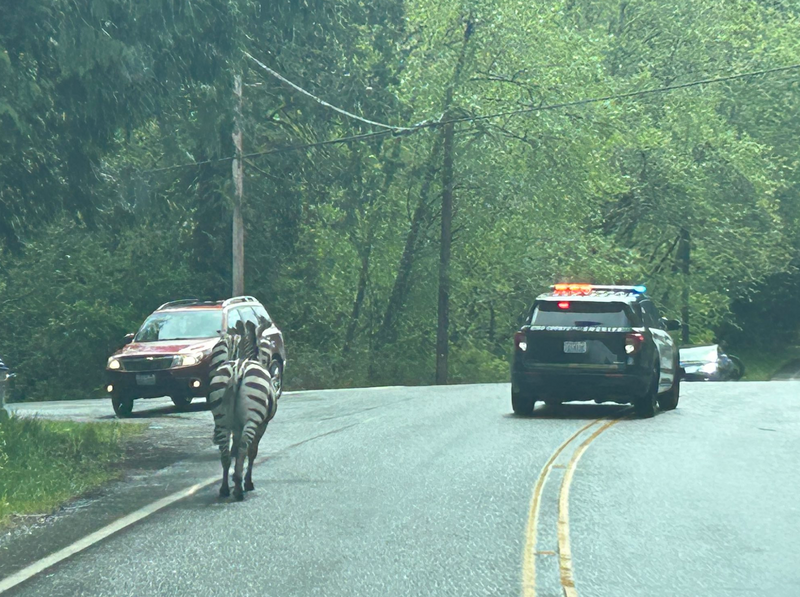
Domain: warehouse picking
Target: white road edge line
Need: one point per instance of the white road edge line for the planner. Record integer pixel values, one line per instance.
(39, 566)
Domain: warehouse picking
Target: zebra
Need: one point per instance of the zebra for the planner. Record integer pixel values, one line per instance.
(273, 365)
(263, 342)
(226, 348)
(256, 405)
(243, 402)
(250, 344)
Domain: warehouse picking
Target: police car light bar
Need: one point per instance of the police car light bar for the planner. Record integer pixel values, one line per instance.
(587, 288)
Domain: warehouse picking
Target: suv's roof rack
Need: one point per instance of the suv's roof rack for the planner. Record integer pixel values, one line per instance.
(239, 299)
(186, 302)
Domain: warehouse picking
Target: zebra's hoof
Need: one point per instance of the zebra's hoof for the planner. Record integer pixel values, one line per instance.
(248, 486)
(224, 491)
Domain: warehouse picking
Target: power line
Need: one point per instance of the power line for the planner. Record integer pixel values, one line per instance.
(188, 165)
(284, 149)
(323, 102)
(337, 141)
(404, 131)
(612, 97)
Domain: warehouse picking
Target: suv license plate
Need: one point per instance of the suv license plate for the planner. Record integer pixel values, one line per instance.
(146, 379)
(574, 347)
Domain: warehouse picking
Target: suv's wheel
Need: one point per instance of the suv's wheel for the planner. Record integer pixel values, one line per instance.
(522, 403)
(276, 371)
(181, 401)
(645, 406)
(669, 399)
(123, 405)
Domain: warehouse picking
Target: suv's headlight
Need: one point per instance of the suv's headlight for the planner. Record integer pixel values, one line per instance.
(188, 360)
(113, 364)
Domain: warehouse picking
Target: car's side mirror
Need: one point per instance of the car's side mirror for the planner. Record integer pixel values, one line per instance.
(671, 325)
(127, 339)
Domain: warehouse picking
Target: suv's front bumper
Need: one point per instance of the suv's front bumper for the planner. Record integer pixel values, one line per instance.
(180, 381)
(580, 383)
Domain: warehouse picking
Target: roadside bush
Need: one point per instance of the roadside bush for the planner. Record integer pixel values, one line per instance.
(71, 298)
(44, 463)
(470, 364)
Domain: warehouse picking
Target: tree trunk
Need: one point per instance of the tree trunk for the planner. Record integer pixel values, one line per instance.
(388, 330)
(684, 252)
(360, 292)
(443, 319)
(443, 316)
(366, 251)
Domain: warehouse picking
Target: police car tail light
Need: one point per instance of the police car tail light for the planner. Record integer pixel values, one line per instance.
(520, 342)
(633, 342)
(563, 305)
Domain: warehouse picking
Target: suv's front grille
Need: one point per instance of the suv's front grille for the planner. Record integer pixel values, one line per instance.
(146, 363)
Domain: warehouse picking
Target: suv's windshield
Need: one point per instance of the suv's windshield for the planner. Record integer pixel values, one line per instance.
(180, 325)
(568, 313)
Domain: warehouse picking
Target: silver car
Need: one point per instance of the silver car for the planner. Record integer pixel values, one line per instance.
(709, 363)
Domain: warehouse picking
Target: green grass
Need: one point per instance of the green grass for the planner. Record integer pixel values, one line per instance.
(45, 463)
(762, 363)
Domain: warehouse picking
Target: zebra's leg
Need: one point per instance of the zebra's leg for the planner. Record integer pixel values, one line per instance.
(252, 453)
(238, 456)
(225, 459)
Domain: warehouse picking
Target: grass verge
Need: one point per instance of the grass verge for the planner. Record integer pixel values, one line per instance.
(762, 363)
(45, 463)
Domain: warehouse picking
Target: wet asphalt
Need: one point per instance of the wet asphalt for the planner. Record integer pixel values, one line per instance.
(426, 491)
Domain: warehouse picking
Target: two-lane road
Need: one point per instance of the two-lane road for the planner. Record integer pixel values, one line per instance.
(441, 491)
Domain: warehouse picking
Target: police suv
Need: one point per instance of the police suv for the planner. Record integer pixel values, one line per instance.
(583, 342)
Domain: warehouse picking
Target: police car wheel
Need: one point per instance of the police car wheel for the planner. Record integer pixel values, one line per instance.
(522, 404)
(645, 406)
(669, 399)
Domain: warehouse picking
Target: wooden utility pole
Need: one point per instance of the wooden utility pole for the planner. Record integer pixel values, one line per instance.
(684, 255)
(238, 185)
(442, 329)
(443, 323)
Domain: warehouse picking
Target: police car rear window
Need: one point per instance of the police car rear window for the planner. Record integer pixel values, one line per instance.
(581, 314)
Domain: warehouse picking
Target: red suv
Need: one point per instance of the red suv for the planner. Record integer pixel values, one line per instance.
(169, 355)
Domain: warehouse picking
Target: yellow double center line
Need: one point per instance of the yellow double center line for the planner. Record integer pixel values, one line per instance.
(532, 528)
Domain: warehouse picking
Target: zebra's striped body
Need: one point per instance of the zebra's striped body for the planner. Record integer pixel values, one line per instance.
(243, 402)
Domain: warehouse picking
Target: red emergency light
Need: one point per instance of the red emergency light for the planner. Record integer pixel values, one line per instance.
(572, 288)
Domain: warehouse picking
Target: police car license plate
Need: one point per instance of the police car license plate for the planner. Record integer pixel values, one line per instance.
(574, 347)
(146, 379)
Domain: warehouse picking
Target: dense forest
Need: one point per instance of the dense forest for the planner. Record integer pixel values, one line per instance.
(116, 190)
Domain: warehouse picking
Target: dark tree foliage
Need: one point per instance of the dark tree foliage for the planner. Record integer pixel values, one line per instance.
(103, 103)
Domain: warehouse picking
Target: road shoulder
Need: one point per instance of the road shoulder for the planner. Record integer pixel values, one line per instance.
(156, 464)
